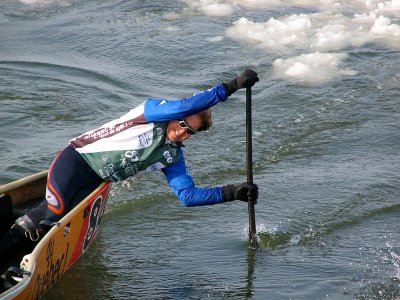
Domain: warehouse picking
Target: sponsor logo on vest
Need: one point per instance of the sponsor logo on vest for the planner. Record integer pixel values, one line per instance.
(104, 159)
(144, 140)
(132, 155)
(168, 156)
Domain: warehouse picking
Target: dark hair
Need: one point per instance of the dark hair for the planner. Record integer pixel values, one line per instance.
(206, 120)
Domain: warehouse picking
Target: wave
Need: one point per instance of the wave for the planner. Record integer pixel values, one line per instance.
(315, 235)
(83, 75)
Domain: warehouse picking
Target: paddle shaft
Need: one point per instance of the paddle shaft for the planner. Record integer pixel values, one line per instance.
(249, 161)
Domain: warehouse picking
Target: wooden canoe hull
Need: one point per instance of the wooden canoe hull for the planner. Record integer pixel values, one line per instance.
(62, 246)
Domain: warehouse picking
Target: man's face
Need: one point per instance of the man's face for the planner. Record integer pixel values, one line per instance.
(177, 133)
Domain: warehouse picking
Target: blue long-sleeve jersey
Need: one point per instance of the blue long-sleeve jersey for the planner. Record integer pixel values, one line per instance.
(136, 142)
(177, 174)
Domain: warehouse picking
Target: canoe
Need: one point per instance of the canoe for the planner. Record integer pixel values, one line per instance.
(62, 245)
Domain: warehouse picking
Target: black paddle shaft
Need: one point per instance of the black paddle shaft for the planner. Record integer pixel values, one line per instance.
(249, 161)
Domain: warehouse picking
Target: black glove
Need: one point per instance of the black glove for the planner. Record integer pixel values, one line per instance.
(243, 192)
(248, 78)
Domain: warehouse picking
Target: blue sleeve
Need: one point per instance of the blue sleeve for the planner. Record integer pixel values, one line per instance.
(183, 186)
(161, 110)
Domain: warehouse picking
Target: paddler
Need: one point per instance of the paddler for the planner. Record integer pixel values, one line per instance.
(147, 138)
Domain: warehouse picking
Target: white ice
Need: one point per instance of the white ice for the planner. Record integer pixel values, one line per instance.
(310, 43)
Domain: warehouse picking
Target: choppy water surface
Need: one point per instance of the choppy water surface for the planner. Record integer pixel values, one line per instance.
(326, 140)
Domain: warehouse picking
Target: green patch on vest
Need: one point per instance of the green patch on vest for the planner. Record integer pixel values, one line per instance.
(118, 165)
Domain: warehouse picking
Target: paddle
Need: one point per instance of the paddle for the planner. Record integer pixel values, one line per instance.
(249, 161)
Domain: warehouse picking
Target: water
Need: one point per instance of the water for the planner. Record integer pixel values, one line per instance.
(326, 140)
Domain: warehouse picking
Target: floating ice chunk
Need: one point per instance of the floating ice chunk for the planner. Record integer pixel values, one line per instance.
(298, 69)
(332, 37)
(314, 67)
(323, 31)
(211, 7)
(275, 4)
(388, 7)
(217, 10)
(263, 4)
(215, 39)
(364, 19)
(274, 34)
(383, 27)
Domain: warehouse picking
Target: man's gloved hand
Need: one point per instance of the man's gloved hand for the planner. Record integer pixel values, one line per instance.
(243, 192)
(248, 78)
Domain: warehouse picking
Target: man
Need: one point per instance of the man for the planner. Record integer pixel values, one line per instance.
(147, 138)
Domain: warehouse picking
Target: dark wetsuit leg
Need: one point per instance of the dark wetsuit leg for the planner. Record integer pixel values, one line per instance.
(70, 180)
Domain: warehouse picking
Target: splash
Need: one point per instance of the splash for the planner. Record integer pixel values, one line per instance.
(271, 239)
(122, 187)
(395, 259)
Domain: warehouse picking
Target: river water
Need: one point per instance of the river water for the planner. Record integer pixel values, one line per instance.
(326, 140)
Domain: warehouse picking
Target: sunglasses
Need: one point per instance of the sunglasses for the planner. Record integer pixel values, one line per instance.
(184, 125)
